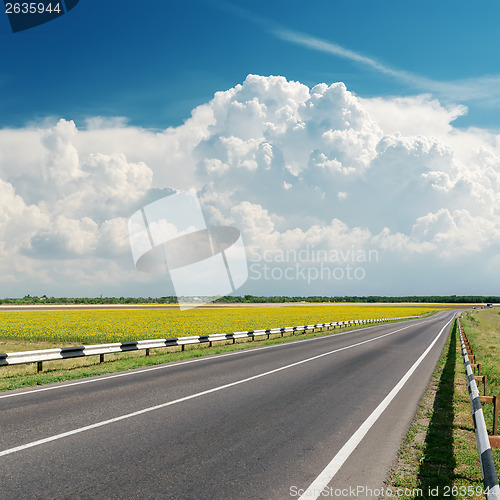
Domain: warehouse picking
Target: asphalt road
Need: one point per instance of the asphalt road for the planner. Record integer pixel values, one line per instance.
(260, 423)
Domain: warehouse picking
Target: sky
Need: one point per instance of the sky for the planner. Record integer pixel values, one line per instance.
(354, 144)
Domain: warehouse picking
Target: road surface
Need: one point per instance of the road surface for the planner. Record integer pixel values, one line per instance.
(326, 414)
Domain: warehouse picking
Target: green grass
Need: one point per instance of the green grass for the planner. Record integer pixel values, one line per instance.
(483, 331)
(440, 451)
(21, 376)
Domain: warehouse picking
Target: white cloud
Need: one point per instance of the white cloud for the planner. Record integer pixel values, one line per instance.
(418, 115)
(290, 166)
(18, 221)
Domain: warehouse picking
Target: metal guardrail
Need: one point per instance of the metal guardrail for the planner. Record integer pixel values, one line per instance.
(41, 355)
(490, 478)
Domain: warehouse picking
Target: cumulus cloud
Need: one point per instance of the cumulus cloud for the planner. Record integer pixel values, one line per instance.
(290, 166)
(411, 116)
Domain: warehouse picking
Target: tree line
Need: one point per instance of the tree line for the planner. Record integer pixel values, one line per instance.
(256, 299)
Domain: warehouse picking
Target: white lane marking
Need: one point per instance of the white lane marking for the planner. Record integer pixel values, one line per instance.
(185, 362)
(328, 473)
(172, 365)
(192, 396)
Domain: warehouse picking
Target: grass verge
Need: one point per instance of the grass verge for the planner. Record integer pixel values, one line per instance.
(483, 331)
(21, 376)
(439, 457)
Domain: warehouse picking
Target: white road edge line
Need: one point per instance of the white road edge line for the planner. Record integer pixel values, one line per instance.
(192, 396)
(328, 473)
(188, 361)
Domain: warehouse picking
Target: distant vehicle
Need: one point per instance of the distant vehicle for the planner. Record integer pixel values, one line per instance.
(489, 305)
(474, 307)
(482, 307)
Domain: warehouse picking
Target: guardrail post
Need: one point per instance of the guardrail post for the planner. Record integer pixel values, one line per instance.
(39, 366)
(101, 358)
(494, 400)
(495, 415)
(483, 380)
(147, 352)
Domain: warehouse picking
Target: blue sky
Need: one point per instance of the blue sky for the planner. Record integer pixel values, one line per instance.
(154, 62)
(339, 125)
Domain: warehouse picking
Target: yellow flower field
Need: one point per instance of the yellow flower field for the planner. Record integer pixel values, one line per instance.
(102, 326)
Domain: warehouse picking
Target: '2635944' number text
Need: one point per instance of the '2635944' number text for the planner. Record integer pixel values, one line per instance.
(32, 8)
